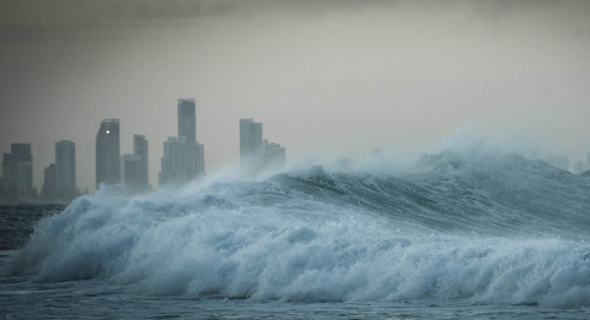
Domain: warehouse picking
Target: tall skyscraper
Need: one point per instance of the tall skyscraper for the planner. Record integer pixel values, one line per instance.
(48, 188)
(108, 153)
(140, 148)
(187, 120)
(17, 170)
(65, 168)
(184, 157)
(199, 150)
(173, 162)
(274, 155)
(132, 170)
(250, 144)
(257, 154)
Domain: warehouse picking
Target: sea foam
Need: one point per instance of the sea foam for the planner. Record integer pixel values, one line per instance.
(313, 236)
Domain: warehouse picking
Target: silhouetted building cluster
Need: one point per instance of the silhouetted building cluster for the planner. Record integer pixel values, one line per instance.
(183, 161)
(65, 170)
(256, 154)
(17, 169)
(129, 170)
(134, 166)
(184, 158)
(59, 178)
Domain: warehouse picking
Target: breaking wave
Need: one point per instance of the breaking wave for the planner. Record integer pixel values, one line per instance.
(486, 229)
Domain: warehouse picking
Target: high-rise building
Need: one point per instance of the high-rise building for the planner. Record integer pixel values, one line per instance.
(17, 170)
(172, 162)
(250, 145)
(274, 155)
(65, 168)
(257, 154)
(140, 148)
(199, 163)
(182, 161)
(184, 157)
(187, 120)
(108, 153)
(132, 171)
(48, 189)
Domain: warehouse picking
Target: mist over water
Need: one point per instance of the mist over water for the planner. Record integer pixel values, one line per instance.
(476, 227)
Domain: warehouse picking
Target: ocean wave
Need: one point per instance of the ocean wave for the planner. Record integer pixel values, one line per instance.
(489, 229)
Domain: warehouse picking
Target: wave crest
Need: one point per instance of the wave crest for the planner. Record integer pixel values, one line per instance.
(465, 231)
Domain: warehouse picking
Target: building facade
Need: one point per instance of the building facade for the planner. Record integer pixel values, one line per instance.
(132, 173)
(65, 168)
(172, 162)
(199, 156)
(187, 120)
(250, 146)
(140, 148)
(184, 158)
(257, 154)
(108, 153)
(17, 170)
(48, 189)
(274, 155)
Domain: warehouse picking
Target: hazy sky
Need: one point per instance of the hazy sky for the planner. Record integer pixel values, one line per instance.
(339, 77)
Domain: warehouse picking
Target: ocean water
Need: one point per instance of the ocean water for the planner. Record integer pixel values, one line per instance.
(456, 235)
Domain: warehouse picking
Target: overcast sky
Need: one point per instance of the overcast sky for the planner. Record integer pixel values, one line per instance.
(339, 77)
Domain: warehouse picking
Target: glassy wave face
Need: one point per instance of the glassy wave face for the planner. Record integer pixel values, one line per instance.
(479, 228)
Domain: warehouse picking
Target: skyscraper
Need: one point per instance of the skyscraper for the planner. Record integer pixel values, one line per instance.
(132, 170)
(17, 170)
(140, 148)
(257, 154)
(184, 157)
(199, 150)
(187, 121)
(250, 144)
(48, 189)
(65, 168)
(173, 162)
(108, 168)
(274, 155)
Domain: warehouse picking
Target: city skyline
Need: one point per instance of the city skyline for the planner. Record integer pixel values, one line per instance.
(61, 175)
(400, 74)
(251, 142)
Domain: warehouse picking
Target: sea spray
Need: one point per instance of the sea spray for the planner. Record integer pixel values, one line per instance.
(489, 229)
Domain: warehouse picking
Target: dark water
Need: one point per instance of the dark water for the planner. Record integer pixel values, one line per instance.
(455, 236)
(17, 223)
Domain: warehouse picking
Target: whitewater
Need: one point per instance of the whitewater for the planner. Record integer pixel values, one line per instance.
(456, 235)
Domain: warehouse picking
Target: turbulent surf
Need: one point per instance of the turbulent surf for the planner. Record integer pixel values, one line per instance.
(481, 229)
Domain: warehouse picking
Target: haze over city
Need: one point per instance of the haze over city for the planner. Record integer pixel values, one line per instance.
(330, 77)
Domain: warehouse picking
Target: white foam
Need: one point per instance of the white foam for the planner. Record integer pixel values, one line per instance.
(207, 240)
